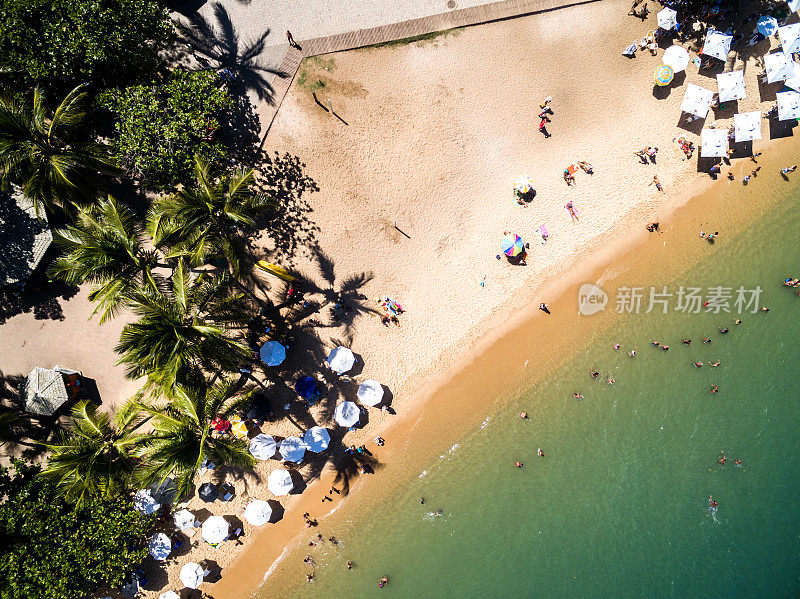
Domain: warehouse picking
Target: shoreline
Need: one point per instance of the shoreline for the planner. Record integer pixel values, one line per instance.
(440, 404)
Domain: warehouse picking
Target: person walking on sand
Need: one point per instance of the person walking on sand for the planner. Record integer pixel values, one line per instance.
(642, 154)
(544, 308)
(788, 169)
(657, 183)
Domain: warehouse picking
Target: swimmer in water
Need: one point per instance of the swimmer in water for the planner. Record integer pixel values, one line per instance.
(737, 463)
(706, 340)
(577, 396)
(349, 565)
(664, 347)
(721, 460)
(540, 452)
(610, 380)
(737, 321)
(764, 309)
(714, 363)
(654, 343)
(686, 341)
(616, 346)
(523, 415)
(518, 464)
(383, 582)
(422, 501)
(723, 330)
(713, 389)
(632, 353)
(594, 372)
(711, 503)
(698, 364)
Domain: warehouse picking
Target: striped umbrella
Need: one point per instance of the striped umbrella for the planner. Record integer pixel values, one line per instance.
(512, 245)
(239, 427)
(663, 75)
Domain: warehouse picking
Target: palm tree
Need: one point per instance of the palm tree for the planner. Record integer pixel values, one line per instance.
(106, 247)
(43, 155)
(207, 218)
(221, 45)
(184, 331)
(183, 434)
(97, 458)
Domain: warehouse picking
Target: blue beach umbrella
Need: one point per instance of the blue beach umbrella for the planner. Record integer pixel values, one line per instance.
(767, 26)
(273, 353)
(306, 387)
(512, 245)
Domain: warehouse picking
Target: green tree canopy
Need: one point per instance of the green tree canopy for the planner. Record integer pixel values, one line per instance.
(207, 217)
(48, 154)
(183, 438)
(58, 44)
(107, 248)
(51, 549)
(162, 126)
(184, 331)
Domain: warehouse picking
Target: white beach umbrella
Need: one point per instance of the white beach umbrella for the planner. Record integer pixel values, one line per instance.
(779, 67)
(794, 82)
(717, 44)
(788, 105)
(714, 143)
(790, 38)
(143, 502)
(169, 595)
(731, 86)
(747, 126)
(370, 393)
(697, 100)
(317, 439)
(279, 482)
(523, 184)
(340, 360)
(347, 414)
(292, 449)
(215, 529)
(159, 546)
(272, 353)
(184, 519)
(263, 446)
(192, 575)
(676, 57)
(667, 18)
(257, 512)
(793, 4)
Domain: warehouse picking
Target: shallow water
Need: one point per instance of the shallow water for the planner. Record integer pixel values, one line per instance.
(619, 505)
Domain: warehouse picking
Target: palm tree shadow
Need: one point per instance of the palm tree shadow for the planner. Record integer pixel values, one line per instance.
(219, 47)
(350, 466)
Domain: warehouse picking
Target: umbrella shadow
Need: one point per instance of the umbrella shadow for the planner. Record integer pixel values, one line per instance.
(277, 511)
(690, 125)
(779, 129)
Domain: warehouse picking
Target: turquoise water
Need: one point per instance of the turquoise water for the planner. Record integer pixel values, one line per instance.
(619, 505)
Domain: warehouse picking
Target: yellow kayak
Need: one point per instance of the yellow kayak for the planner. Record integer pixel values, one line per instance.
(275, 270)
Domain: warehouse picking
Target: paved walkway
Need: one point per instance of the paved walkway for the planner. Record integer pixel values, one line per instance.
(322, 26)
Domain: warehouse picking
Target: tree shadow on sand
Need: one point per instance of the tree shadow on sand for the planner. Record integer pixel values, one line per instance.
(218, 46)
(288, 223)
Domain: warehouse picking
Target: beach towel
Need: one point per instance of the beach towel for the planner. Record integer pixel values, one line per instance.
(630, 51)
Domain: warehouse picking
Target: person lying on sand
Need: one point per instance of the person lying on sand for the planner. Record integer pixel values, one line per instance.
(587, 168)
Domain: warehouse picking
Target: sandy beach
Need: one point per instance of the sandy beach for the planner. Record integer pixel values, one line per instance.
(415, 191)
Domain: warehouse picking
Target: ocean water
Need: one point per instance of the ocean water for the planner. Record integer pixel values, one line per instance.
(619, 506)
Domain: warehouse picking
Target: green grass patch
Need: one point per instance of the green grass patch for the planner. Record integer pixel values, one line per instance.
(309, 76)
(425, 37)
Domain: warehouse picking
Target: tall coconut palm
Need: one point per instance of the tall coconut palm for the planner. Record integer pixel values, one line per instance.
(47, 155)
(106, 247)
(183, 331)
(207, 218)
(97, 457)
(183, 434)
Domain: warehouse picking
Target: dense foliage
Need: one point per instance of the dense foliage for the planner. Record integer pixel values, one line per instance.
(161, 127)
(58, 44)
(51, 549)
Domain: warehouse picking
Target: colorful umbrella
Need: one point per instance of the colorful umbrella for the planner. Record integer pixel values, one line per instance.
(512, 245)
(663, 75)
(239, 427)
(767, 26)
